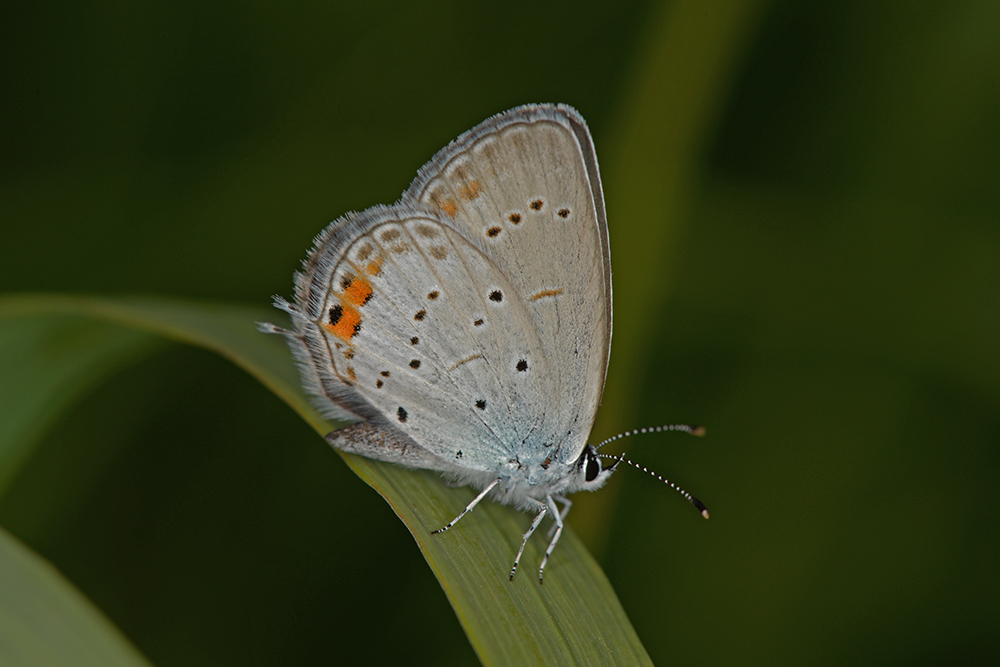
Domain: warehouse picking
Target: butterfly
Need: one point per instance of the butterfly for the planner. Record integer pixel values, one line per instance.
(468, 325)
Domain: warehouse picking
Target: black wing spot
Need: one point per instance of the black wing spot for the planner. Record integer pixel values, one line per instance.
(336, 312)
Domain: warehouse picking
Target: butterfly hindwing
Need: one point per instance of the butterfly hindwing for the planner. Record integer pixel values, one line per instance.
(422, 327)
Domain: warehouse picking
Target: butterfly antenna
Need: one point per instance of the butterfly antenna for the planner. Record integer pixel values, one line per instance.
(684, 428)
(691, 499)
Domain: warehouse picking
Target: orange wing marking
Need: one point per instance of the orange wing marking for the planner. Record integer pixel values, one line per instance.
(347, 323)
(358, 292)
(471, 190)
(544, 293)
(345, 319)
(374, 267)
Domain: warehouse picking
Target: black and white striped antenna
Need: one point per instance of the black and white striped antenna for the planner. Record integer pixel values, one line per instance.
(685, 428)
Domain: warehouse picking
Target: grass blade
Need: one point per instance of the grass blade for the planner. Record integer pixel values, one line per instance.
(574, 618)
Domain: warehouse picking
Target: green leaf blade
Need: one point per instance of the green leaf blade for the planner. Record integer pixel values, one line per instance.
(45, 620)
(573, 618)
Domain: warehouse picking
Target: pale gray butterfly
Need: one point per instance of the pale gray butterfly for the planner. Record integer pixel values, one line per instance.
(469, 324)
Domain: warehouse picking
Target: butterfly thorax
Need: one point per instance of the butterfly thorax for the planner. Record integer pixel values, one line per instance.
(521, 481)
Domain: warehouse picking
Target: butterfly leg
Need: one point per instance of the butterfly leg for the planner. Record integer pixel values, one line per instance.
(542, 509)
(567, 503)
(558, 518)
(468, 508)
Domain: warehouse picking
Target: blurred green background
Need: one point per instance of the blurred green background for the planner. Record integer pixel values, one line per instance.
(804, 215)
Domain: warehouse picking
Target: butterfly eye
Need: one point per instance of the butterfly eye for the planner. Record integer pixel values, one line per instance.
(593, 468)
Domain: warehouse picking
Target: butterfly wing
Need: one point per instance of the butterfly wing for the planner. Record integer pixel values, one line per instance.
(470, 323)
(524, 188)
(410, 325)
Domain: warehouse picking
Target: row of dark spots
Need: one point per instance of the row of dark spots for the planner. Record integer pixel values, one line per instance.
(403, 415)
(521, 366)
(414, 364)
(516, 218)
(496, 296)
(538, 204)
(421, 315)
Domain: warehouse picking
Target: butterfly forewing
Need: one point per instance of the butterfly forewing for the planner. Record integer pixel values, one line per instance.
(523, 187)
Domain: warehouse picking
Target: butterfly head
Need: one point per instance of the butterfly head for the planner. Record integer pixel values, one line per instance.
(588, 473)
